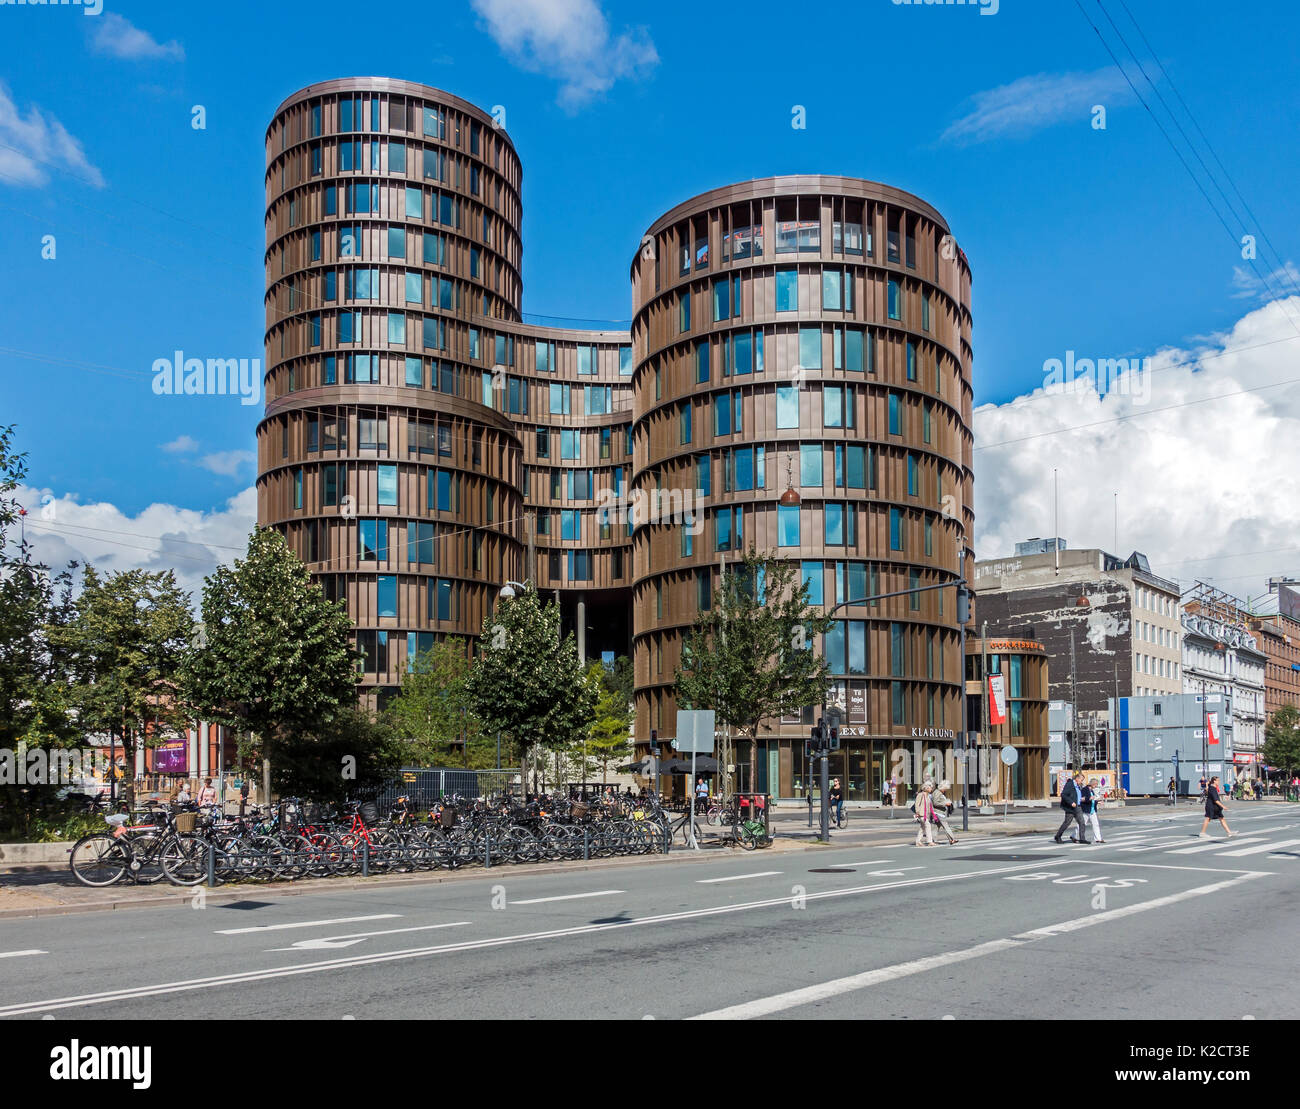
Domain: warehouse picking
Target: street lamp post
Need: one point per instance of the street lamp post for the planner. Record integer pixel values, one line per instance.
(508, 593)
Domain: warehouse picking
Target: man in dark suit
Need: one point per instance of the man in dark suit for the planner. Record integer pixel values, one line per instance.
(1071, 802)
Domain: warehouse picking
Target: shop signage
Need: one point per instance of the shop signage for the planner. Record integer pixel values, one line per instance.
(1013, 646)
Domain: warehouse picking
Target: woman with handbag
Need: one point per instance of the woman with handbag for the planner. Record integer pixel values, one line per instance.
(923, 808)
(1214, 808)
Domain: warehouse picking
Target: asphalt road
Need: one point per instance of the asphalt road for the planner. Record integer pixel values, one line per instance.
(1155, 923)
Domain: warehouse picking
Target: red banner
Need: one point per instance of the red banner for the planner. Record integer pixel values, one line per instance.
(997, 699)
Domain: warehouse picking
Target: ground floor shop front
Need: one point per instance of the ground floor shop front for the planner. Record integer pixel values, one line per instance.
(865, 766)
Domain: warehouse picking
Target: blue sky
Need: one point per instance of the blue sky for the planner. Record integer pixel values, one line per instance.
(1080, 239)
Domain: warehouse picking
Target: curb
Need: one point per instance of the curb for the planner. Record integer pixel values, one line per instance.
(783, 845)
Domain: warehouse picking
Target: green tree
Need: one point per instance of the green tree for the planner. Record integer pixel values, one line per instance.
(751, 656)
(125, 647)
(349, 754)
(526, 681)
(1282, 739)
(608, 738)
(432, 712)
(274, 658)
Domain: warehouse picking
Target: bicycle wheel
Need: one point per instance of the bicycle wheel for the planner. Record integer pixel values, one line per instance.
(98, 859)
(146, 858)
(184, 859)
(747, 839)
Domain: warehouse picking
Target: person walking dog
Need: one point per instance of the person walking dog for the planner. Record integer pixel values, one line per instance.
(1214, 808)
(1071, 796)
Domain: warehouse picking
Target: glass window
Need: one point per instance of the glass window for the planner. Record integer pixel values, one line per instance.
(787, 290)
(857, 647)
(397, 157)
(810, 464)
(833, 406)
(742, 353)
(414, 287)
(723, 530)
(895, 306)
(895, 416)
(386, 594)
(832, 285)
(810, 348)
(911, 360)
(703, 475)
(702, 361)
(586, 359)
(397, 328)
(722, 414)
(835, 647)
(787, 406)
(911, 475)
(813, 575)
(721, 299)
(388, 485)
(397, 243)
(625, 360)
(895, 530)
(787, 517)
(834, 530)
(372, 536)
(684, 416)
(419, 544)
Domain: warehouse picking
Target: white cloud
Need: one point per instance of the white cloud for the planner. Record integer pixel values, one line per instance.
(226, 463)
(180, 444)
(1208, 482)
(1033, 103)
(569, 40)
(160, 537)
(1250, 284)
(31, 144)
(118, 37)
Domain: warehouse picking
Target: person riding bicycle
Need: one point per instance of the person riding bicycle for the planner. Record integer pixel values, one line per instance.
(836, 799)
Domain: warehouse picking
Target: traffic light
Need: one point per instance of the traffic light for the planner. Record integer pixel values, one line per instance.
(833, 738)
(654, 741)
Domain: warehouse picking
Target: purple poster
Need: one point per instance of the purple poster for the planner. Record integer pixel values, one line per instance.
(171, 757)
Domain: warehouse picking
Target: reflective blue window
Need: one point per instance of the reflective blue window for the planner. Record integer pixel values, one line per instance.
(833, 406)
(895, 416)
(787, 519)
(787, 290)
(810, 464)
(372, 538)
(397, 157)
(857, 647)
(831, 285)
(895, 530)
(396, 328)
(835, 647)
(414, 371)
(810, 348)
(721, 298)
(331, 200)
(386, 593)
(397, 243)
(853, 349)
(895, 308)
(702, 371)
(414, 287)
(834, 524)
(625, 360)
(444, 600)
(722, 414)
(813, 576)
(742, 354)
(329, 372)
(387, 486)
(703, 475)
(414, 203)
(911, 361)
(787, 406)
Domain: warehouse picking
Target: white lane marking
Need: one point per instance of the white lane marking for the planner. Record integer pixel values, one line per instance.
(20, 954)
(866, 862)
(567, 897)
(1259, 850)
(241, 977)
(1159, 845)
(826, 990)
(736, 877)
(304, 924)
(893, 873)
(1217, 845)
(327, 942)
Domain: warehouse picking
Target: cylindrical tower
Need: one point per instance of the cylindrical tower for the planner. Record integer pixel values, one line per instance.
(814, 332)
(385, 454)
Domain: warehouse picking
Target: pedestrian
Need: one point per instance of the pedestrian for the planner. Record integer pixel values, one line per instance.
(1071, 794)
(942, 807)
(1202, 786)
(893, 790)
(1172, 789)
(923, 807)
(1089, 804)
(887, 794)
(182, 795)
(701, 792)
(243, 797)
(836, 799)
(1214, 808)
(207, 795)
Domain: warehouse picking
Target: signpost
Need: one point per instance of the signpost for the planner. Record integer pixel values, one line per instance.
(694, 734)
(1009, 757)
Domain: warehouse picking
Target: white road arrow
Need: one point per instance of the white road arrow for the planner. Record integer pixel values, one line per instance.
(892, 873)
(326, 942)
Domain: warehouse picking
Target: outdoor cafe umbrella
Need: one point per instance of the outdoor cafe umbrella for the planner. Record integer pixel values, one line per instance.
(644, 765)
